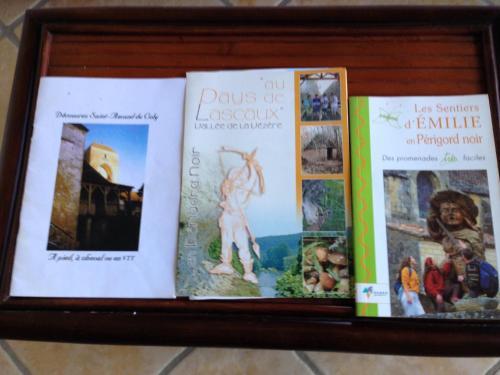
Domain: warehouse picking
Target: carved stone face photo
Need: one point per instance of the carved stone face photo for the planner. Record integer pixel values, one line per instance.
(436, 214)
(451, 214)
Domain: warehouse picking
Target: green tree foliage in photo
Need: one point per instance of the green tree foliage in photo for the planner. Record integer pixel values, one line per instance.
(334, 200)
(275, 256)
(276, 252)
(214, 251)
(328, 197)
(290, 283)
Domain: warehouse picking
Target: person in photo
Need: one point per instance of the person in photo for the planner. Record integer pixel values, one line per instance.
(307, 109)
(480, 277)
(334, 104)
(452, 286)
(434, 284)
(325, 108)
(408, 293)
(316, 106)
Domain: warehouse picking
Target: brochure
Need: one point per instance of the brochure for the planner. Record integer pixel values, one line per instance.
(426, 204)
(265, 206)
(99, 215)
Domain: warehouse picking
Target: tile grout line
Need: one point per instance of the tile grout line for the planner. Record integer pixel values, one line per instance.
(494, 369)
(12, 37)
(16, 23)
(9, 34)
(8, 31)
(20, 18)
(14, 358)
(308, 362)
(40, 4)
(176, 361)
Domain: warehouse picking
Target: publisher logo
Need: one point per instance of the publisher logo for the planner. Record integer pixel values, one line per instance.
(368, 291)
(372, 293)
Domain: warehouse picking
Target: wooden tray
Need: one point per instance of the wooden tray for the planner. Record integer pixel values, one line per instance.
(387, 51)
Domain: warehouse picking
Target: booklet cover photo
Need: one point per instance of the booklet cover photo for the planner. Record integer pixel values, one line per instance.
(425, 210)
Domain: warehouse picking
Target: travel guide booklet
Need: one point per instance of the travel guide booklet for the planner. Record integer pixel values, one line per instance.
(426, 204)
(99, 216)
(265, 202)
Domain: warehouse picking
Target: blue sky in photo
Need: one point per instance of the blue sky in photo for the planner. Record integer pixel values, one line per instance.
(129, 142)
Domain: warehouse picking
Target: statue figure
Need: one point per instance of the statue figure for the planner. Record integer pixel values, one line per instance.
(239, 185)
(452, 222)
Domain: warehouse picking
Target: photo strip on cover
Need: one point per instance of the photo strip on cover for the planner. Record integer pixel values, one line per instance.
(322, 135)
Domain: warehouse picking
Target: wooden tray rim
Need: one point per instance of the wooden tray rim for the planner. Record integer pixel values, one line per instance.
(25, 317)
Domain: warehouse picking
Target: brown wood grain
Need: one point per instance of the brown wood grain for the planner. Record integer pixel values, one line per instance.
(422, 60)
(387, 51)
(475, 76)
(260, 61)
(322, 47)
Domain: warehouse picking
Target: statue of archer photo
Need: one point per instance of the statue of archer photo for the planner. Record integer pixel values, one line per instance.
(237, 188)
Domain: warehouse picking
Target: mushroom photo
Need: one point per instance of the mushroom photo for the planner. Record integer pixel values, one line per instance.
(325, 266)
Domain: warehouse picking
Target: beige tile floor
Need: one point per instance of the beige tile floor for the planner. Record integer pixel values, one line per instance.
(23, 357)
